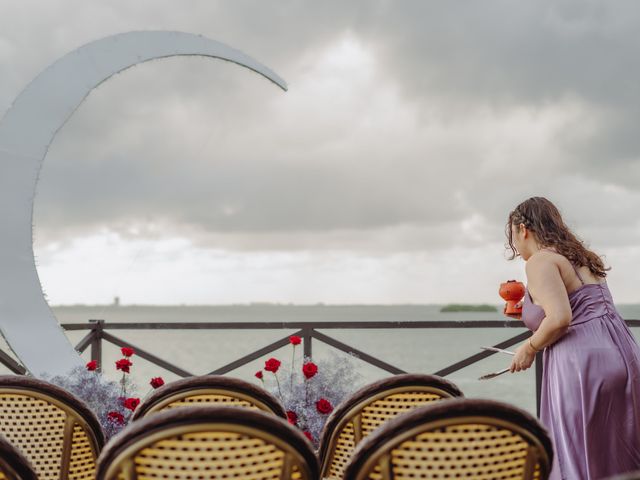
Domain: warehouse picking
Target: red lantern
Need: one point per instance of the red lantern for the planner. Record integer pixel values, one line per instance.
(512, 292)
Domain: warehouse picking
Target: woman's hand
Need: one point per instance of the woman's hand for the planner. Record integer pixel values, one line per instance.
(523, 358)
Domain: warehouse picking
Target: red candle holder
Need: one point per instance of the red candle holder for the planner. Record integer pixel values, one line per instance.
(512, 292)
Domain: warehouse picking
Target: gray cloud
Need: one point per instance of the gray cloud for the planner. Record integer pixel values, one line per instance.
(456, 113)
(530, 54)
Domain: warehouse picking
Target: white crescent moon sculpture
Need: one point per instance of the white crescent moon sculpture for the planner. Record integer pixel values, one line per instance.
(26, 131)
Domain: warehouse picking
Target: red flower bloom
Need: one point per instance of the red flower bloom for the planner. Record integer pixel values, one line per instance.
(124, 365)
(308, 435)
(92, 365)
(116, 417)
(324, 406)
(295, 340)
(259, 374)
(309, 369)
(272, 365)
(131, 403)
(292, 417)
(156, 382)
(127, 351)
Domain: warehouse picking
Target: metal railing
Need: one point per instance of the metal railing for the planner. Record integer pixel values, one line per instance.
(309, 331)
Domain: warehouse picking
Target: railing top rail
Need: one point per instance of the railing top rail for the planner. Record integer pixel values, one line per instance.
(300, 325)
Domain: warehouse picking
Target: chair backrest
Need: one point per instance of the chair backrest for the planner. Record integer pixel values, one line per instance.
(635, 475)
(53, 429)
(13, 465)
(209, 442)
(209, 390)
(369, 408)
(458, 438)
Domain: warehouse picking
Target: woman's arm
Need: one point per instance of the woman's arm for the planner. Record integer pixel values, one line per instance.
(546, 286)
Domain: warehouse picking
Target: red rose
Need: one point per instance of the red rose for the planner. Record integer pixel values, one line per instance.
(292, 417)
(92, 365)
(272, 365)
(295, 340)
(308, 435)
(309, 369)
(127, 351)
(156, 382)
(124, 365)
(324, 406)
(116, 417)
(131, 403)
(259, 374)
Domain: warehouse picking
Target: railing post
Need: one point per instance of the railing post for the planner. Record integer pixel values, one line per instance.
(96, 342)
(307, 338)
(539, 368)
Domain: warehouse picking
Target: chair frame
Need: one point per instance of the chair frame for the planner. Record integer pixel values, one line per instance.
(379, 445)
(13, 464)
(75, 409)
(349, 410)
(209, 385)
(148, 430)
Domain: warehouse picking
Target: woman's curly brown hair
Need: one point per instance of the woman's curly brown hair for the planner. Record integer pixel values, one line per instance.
(543, 218)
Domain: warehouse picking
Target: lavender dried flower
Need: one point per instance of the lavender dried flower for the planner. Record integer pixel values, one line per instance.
(336, 379)
(98, 393)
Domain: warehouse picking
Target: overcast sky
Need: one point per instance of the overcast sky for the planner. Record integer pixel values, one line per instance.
(384, 175)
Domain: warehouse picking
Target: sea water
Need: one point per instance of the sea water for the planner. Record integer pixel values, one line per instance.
(413, 350)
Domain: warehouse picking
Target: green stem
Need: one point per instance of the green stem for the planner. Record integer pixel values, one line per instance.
(293, 356)
(279, 391)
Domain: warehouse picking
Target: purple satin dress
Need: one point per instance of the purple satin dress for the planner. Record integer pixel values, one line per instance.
(590, 399)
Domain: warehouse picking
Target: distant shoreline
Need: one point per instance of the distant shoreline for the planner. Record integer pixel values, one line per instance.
(273, 305)
(495, 307)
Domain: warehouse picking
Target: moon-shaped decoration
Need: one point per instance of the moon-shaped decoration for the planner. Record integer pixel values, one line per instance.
(26, 131)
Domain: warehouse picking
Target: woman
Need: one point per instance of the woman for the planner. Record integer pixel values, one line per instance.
(591, 380)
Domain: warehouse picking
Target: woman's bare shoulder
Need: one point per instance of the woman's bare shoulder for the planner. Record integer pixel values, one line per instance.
(544, 260)
(545, 257)
(548, 260)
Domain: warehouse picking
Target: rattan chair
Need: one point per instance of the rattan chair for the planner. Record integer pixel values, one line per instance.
(53, 429)
(209, 442)
(209, 390)
(13, 465)
(635, 475)
(370, 407)
(459, 438)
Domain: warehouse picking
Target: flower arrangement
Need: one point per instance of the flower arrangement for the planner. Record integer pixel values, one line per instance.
(310, 392)
(113, 402)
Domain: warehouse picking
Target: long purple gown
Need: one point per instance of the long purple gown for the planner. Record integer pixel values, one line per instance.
(590, 388)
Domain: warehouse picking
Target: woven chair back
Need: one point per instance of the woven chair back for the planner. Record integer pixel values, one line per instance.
(369, 408)
(635, 475)
(460, 438)
(209, 443)
(209, 390)
(13, 465)
(53, 429)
